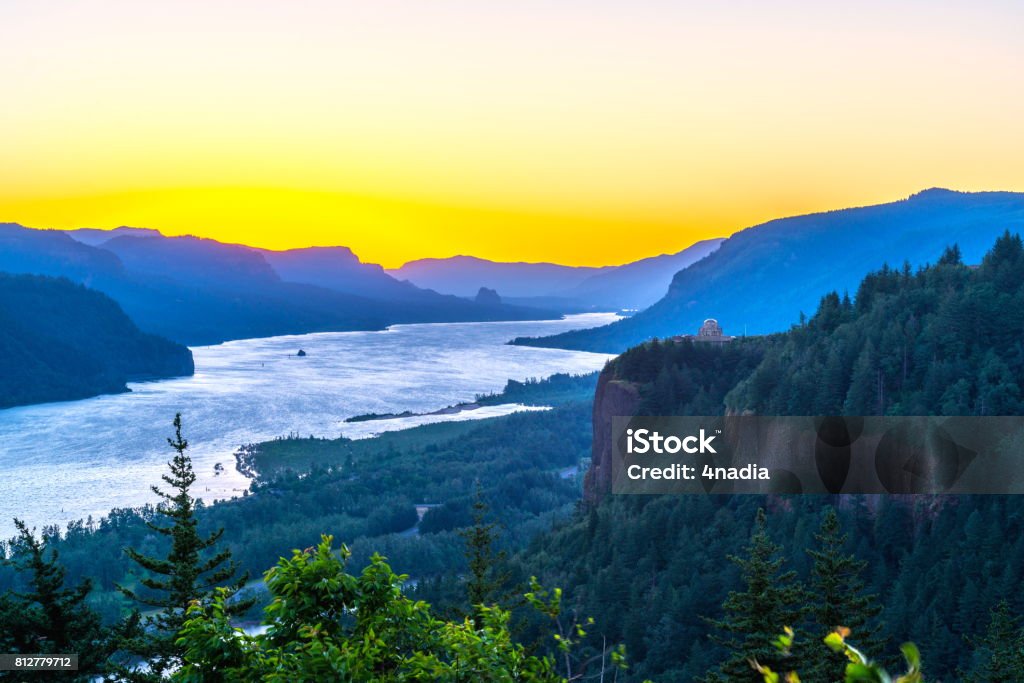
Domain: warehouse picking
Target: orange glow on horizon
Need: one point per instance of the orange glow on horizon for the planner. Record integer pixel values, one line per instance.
(601, 134)
(288, 219)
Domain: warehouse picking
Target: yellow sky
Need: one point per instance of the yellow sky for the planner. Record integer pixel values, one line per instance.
(577, 132)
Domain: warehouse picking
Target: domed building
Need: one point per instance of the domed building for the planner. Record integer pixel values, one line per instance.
(709, 333)
(710, 328)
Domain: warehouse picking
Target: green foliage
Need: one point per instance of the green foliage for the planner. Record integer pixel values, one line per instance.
(999, 654)
(183, 576)
(684, 378)
(839, 598)
(325, 624)
(556, 390)
(267, 460)
(49, 617)
(485, 578)
(858, 669)
(571, 632)
(944, 340)
(771, 596)
(647, 568)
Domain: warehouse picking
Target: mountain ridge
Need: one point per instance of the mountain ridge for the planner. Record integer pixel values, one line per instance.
(464, 275)
(761, 278)
(202, 291)
(629, 286)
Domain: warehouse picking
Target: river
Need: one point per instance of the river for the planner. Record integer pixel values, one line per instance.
(65, 461)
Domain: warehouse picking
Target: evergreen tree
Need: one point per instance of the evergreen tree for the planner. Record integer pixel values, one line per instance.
(754, 617)
(50, 617)
(864, 396)
(184, 576)
(484, 580)
(838, 598)
(999, 655)
(951, 256)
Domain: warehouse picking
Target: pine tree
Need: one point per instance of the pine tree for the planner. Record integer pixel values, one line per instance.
(754, 617)
(484, 580)
(50, 617)
(864, 395)
(184, 576)
(998, 656)
(838, 599)
(951, 256)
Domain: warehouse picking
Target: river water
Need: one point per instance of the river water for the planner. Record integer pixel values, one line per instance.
(65, 461)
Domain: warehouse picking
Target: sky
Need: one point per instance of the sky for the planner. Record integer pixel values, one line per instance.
(580, 132)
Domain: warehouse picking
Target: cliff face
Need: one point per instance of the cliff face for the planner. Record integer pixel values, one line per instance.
(613, 398)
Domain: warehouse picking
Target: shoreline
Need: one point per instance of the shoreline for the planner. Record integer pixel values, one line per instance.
(448, 410)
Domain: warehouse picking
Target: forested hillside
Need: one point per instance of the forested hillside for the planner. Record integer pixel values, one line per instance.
(61, 341)
(942, 340)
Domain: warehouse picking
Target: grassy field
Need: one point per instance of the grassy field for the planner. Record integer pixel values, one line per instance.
(264, 460)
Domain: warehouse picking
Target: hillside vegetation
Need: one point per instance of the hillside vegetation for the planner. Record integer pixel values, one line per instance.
(942, 340)
(61, 341)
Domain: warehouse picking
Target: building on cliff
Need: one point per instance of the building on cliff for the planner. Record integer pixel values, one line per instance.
(709, 333)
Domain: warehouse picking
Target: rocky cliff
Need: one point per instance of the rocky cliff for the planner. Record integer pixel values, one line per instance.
(614, 397)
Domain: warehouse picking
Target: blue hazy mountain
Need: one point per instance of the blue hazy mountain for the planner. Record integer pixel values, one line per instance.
(184, 289)
(762, 278)
(339, 269)
(60, 341)
(193, 260)
(51, 252)
(634, 285)
(638, 284)
(95, 237)
(465, 275)
(201, 291)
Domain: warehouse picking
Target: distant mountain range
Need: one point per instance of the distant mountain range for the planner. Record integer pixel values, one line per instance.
(200, 291)
(639, 284)
(338, 268)
(95, 236)
(197, 291)
(762, 278)
(547, 285)
(465, 275)
(61, 341)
